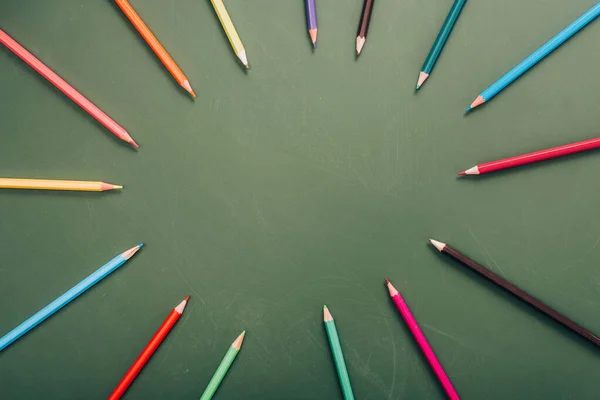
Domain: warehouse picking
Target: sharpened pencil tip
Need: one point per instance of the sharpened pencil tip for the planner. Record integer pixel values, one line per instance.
(187, 298)
(237, 344)
(129, 253)
(393, 291)
(360, 42)
(438, 245)
(181, 306)
(422, 78)
(462, 173)
(326, 314)
(468, 109)
(387, 281)
(140, 245)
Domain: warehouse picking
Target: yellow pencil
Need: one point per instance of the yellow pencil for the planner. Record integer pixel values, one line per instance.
(42, 184)
(230, 31)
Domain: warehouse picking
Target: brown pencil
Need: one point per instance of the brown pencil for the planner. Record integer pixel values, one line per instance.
(363, 26)
(512, 289)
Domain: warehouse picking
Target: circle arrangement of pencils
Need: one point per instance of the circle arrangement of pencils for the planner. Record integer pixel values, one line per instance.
(255, 210)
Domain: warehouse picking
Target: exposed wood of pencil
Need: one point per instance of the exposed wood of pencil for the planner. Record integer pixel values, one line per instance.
(522, 295)
(363, 26)
(237, 344)
(43, 184)
(155, 45)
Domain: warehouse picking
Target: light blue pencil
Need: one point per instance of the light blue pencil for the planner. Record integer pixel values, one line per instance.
(67, 297)
(538, 55)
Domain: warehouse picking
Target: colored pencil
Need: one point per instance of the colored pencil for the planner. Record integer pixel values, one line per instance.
(537, 56)
(440, 41)
(230, 356)
(529, 158)
(43, 184)
(311, 21)
(155, 45)
(229, 28)
(363, 25)
(67, 297)
(413, 326)
(149, 350)
(515, 291)
(64, 87)
(338, 356)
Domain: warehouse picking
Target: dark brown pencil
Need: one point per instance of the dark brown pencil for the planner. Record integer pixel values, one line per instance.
(363, 26)
(522, 295)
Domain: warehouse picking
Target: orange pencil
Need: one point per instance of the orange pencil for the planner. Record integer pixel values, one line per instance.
(155, 45)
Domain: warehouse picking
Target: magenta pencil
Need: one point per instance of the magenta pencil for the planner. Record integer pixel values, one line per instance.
(422, 342)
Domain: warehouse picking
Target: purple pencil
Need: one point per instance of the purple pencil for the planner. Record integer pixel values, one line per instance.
(311, 21)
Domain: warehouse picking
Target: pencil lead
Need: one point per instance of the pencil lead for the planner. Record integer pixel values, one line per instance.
(462, 173)
(468, 109)
(387, 281)
(137, 146)
(187, 298)
(438, 245)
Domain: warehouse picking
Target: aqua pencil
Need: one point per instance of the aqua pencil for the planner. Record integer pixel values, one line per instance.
(338, 356)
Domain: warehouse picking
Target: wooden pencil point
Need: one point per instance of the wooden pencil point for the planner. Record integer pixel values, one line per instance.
(360, 42)
(129, 253)
(237, 344)
(476, 103)
(326, 314)
(438, 245)
(393, 291)
(422, 78)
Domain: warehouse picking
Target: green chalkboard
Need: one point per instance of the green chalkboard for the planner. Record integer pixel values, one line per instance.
(304, 181)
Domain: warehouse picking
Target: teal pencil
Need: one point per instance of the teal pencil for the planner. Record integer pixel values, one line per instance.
(338, 356)
(221, 371)
(440, 41)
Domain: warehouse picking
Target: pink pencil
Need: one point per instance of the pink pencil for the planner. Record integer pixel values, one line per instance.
(422, 342)
(64, 87)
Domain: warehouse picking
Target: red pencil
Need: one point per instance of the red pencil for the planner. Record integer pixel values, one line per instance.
(64, 87)
(151, 347)
(533, 157)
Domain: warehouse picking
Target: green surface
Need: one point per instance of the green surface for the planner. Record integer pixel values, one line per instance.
(306, 181)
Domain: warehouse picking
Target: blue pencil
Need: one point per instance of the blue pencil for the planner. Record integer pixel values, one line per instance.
(538, 55)
(67, 297)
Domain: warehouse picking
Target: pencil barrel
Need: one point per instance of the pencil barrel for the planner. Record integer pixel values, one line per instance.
(219, 374)
(443, 35)
(338, 357)
(365, 18)
(522, 295)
